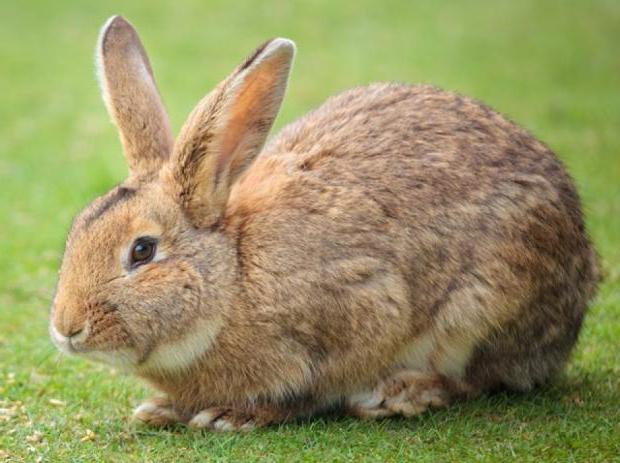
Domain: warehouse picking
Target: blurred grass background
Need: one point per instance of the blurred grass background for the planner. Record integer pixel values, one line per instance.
(551, 65)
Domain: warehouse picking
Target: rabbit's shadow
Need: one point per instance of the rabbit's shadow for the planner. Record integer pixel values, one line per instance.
(505, 407)
(496, 406)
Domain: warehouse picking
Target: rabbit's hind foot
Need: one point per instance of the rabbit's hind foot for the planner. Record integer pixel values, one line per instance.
(406, 393)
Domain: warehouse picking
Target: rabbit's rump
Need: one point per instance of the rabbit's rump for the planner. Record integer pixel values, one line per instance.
(421, 219)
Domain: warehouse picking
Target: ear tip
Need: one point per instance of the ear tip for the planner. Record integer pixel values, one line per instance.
(282, 44)
(116, 24)
(115, 20)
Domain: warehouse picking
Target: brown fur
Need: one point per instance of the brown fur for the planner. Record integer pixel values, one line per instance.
(395, 249)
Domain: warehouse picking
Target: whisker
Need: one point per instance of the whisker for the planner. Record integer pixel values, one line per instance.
(46, 355)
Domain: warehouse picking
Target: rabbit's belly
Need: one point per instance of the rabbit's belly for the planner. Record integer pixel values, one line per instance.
(428, 373)
(435, 353)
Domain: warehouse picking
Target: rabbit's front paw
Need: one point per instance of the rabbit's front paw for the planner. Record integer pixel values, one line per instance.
(157, 411)
(223, 419)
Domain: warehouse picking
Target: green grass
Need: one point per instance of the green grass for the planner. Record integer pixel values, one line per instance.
(554, 66)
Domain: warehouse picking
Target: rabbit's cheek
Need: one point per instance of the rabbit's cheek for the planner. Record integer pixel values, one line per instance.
(160, 302)
(104, 332)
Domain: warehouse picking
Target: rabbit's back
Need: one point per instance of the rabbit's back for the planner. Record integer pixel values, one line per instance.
(469, 223)
(398, 135)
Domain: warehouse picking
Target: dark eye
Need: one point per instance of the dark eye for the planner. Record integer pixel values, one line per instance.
(142, 251)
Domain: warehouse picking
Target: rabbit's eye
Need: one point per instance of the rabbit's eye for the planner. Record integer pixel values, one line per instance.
(142, 251)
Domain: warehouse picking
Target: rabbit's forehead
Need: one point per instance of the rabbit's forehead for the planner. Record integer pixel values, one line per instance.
(104, 206)
(122, 210)
(95, 243)
(111, 223)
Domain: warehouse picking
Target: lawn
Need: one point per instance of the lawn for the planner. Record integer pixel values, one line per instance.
(554, 66)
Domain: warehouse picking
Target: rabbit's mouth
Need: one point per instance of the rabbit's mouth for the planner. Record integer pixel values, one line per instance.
(70, 345)
(77, 344)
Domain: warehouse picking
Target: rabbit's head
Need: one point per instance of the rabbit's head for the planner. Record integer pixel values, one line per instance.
(146, 274)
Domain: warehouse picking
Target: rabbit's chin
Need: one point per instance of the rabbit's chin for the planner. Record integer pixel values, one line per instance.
(124, 360)
(168, 357)
(182, 353)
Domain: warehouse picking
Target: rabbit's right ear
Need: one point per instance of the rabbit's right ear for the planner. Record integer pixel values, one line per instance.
(132, 98)
(227, 130)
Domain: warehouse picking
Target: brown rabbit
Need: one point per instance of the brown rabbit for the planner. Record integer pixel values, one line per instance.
(396, 249)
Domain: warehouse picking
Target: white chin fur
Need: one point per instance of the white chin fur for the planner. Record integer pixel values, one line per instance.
(60, 341)
(166, 358)
(122, 359)
(181, 354)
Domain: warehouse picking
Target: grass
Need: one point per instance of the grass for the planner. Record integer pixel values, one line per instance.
(552, 65)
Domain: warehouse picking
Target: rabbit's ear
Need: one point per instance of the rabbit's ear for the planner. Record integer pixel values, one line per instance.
(227, 130)
(131, 97)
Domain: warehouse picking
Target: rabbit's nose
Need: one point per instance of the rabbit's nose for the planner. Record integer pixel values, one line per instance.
(70, 329)
(68, 338)
(69, 323)
(75, 331)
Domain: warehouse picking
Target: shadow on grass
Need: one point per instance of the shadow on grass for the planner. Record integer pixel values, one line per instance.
(564, 399)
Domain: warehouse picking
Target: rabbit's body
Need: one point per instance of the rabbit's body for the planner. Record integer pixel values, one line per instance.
(397, 227)
(477, 217)
(397, 248)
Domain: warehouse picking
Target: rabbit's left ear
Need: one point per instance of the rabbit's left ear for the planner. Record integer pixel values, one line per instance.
(227, 130)
(131, 96)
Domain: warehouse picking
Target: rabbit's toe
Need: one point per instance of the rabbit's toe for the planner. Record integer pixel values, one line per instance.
(407, 393)
(157, 411)
(368, 405)
(222, 419)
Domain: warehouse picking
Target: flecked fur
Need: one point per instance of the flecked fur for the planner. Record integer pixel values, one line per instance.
(395, 249)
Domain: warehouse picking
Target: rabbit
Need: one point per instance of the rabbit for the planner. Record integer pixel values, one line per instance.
(397, 249)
